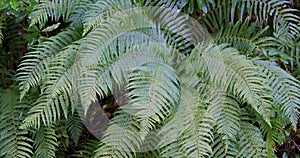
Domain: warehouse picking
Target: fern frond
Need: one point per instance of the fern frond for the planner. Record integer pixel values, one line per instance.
(98, 79)
(52, 10)
(197, 145)
(224, 12)
(227, 113)
(151, 95)
(122, 137)
(1, 28)
(74, 126)
(153, 92)
(272, 136)
(224, 146)
(149, 147)
(245, 37)
(32, 69)
(45, 142)
(189, 133)
(101, 10)
(235, 73)
(251, 142)
(285, 90)
(56, 90)
(14, 142)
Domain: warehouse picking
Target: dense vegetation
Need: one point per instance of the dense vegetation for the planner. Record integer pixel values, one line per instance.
(121, 78)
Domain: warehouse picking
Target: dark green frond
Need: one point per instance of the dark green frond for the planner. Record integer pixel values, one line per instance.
(1, 28)
(45, 142)
(276, 12)
(88, 149)
(14, 142)
(74, 127)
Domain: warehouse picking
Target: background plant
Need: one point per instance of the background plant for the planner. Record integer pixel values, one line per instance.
(231, 95)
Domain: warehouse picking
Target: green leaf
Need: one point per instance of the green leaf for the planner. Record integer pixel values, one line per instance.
(51, 28)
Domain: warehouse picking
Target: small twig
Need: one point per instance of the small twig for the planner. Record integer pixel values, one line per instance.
(296, 145)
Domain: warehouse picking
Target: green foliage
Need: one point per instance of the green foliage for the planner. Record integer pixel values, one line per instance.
(14, 142)
(45, 140)
(187, 95)
(74, 127)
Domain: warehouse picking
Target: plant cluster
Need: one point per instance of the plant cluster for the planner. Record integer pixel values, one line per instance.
(198, 78)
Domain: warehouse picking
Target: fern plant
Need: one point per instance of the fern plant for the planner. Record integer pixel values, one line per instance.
(187, 94)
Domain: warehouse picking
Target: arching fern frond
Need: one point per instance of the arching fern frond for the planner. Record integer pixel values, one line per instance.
(227, 116)
(14, 142)
(32, 69)
(151, 96)
(285, 90)
(100, 10)
(245, 37)
(52, 10)
(239, 76)
(56, 90)
(98, 80)
(153, 91)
